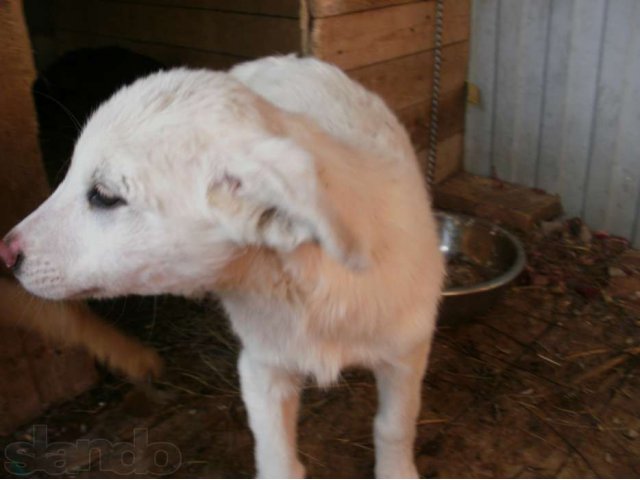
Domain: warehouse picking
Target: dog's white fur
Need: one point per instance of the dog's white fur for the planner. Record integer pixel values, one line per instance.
(289, 191)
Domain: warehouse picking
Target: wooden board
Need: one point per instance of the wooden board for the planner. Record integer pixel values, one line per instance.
(368, 37)
(451, 122)
(406, 81)
(282, 8)
(405, 84)
(327, 8)
(210, 30)
(449, 160)
(26, 386)
(511, 205)
(167, 54)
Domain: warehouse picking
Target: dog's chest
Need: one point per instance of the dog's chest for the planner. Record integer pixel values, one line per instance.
(285, 336)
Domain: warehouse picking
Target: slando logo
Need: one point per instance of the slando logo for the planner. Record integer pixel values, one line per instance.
(137, 457)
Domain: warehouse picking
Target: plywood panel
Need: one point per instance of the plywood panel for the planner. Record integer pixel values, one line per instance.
(327, 8)
(405, 84)
(416, 119)
(368, 37)
(450, 152)
(408, 80)
(222, 32)
(283, 8)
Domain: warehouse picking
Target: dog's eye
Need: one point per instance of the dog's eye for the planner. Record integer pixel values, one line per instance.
(100, 199)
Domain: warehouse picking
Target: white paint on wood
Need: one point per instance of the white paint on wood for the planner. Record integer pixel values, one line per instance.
(553, 115)
(484, 18)
(560, 103)
(519, 87)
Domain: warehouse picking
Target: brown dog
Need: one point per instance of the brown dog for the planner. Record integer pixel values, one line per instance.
(74, 324)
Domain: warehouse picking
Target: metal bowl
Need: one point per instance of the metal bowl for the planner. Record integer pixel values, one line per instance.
(487, 246)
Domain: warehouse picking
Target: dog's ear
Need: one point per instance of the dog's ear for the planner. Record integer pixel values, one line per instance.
(271, 196)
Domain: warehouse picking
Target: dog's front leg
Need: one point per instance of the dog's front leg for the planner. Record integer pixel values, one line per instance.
(272, 397)
(399, 390)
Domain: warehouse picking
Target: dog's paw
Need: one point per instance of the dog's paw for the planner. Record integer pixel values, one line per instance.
(137, 363)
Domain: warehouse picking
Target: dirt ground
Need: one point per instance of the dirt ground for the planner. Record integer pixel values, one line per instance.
(545, 385)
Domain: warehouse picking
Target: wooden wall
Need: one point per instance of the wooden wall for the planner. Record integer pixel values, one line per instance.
(385, 44)
(33, 374)
(203, 33)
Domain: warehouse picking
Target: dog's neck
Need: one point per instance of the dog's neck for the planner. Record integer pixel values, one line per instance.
(260, 271)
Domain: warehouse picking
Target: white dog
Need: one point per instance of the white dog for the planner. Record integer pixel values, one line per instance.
(289, 191)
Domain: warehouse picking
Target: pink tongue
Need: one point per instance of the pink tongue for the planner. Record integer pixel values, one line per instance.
(7, 255)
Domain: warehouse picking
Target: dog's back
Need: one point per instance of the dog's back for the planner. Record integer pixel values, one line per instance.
(324, 93)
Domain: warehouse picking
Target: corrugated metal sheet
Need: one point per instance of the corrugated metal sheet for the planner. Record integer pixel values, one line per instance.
(560, 103)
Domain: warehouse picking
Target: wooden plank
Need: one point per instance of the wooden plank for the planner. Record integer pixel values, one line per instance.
(328, 8)
(167, 54)
(405, 84)
(281, 8)
(450, 156)
(24, 183)
(222, 32)
(482, 68)
(405, 81)
(508, 204)
(364, 38)
(24, 186)
(416, 119)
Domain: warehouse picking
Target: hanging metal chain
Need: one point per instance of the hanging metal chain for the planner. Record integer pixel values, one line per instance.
(435, 94)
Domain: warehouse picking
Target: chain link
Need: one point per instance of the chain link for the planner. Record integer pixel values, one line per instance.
(435, 94)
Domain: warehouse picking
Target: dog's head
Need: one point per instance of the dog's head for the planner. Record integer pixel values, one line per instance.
(170, 179)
